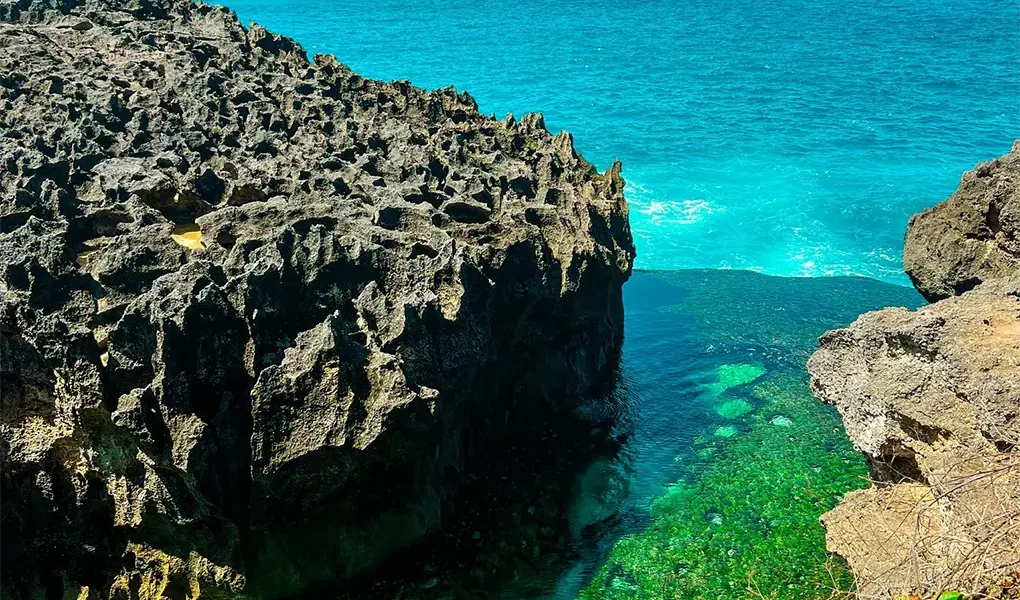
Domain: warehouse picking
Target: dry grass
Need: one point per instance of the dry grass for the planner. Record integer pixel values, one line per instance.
(955, 530)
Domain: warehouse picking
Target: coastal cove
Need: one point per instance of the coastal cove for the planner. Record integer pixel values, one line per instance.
(792, 139)
(289, 310)
(704, 470)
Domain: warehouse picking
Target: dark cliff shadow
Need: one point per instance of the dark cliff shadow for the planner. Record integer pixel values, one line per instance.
(513, 523)
(542, 512)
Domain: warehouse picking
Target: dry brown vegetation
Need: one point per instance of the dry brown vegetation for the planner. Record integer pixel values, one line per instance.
(958, 530)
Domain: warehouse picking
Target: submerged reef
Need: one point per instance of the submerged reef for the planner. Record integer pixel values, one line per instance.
(932, 399)
(740, 518)
(730, 376)
(260, 315)
(741, 523)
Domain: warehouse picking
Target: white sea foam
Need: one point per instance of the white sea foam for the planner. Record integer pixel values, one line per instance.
(677, 212)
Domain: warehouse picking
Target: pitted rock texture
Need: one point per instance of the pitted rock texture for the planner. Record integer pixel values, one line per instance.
(973, 236)
(932, 399)
(260, 312)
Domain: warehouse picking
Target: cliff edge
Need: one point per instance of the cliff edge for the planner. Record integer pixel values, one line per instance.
(932, 398)
(259, 312)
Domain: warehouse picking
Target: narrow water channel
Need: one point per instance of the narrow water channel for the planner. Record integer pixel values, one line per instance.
(701, 473)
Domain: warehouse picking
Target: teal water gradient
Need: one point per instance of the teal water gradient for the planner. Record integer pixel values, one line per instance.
(792, 137)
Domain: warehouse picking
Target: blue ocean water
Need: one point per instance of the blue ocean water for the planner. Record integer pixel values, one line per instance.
(792, 137)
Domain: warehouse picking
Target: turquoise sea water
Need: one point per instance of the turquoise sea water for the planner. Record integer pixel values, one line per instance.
(792, 137)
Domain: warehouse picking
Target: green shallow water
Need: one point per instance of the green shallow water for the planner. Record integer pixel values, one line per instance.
(743, 517)
(702, 474)
(737, 517)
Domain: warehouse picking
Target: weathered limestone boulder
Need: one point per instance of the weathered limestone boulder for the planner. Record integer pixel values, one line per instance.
(258, 313)
(932, 399)
(973, 236)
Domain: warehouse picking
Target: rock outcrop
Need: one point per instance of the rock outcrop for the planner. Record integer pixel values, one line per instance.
(259, 312)
(972, 237)
(932, 398)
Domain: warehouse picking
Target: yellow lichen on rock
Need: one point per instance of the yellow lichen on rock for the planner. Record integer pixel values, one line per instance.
(75, 592)
(157, 575)
(188, 235)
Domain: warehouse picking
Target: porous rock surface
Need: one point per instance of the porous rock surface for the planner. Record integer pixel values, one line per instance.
(260, 312)
(932, 398)
(971, 237)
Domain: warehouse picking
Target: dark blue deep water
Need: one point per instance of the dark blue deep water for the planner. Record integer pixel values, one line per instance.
(792, 137)
(788, 137)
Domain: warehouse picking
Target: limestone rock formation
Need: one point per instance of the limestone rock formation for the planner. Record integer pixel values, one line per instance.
(932, 398)
(973, 236)
(258, 312)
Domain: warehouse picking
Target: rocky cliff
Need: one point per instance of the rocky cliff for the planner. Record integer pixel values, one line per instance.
(259, 312)
(932, 398)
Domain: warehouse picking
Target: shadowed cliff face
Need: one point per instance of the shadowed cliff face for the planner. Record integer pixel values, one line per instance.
(260, 314)
(932, 398)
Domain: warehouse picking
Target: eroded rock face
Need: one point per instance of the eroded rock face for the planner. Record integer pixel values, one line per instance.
(932, 398)
(973, 236)
(259, 312)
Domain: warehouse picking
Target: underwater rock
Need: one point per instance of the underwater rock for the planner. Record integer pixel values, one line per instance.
(734, 375)
(734, 409)
(259, 313)
(932, 398)
(725, 431)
